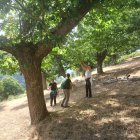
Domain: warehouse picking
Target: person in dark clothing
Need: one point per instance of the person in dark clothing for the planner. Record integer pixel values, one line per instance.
(53, 93)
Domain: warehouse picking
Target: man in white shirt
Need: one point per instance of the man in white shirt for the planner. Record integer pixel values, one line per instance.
(88, 76)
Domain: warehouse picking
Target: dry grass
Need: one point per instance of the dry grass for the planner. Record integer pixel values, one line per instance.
(112, 114)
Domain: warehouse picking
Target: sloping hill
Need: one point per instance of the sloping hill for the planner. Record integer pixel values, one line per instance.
(112, 114)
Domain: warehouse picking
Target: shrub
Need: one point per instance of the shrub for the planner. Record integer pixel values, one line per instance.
(10, 86)
(1, 91)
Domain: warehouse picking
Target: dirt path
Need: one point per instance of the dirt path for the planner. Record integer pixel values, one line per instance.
(119, 98)
(15, 120)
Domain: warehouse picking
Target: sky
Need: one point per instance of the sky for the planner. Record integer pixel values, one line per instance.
(69, 71)
(1, 32)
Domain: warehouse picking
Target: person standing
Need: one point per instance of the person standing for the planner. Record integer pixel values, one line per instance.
(66, 86)
(53, 93)
(87, 69)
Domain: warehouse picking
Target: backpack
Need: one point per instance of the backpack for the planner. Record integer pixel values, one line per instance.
(66, 84)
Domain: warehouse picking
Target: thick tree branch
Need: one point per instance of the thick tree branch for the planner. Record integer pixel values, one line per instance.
(5, 45)
(7, 49)
(68, 22)
(43, 49)
(72, 19)
(22, 6)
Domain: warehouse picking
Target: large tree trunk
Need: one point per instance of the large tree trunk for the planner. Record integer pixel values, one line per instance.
(100, 58)
(31, 69)
(100, 66)
(30, 53)
(44, 81)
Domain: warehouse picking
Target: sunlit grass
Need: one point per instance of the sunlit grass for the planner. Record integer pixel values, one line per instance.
(132, 55)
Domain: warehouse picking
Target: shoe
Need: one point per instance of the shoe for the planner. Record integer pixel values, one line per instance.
(62, 105)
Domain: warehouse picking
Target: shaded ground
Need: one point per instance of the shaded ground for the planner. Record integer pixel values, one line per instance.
(112, 114)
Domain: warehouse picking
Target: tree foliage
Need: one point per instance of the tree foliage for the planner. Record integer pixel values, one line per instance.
(105, 29)
(35, 20)
(8, 64)
(32, 28)
(9, 86)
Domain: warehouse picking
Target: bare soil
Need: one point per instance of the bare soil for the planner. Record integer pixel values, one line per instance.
(112, 114)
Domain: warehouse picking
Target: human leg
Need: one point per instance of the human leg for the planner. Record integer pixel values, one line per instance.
(64, 92)
(54, 99)
(67, 97)
(89, 88)
(51, 99)
(90, 93)
(86, 90)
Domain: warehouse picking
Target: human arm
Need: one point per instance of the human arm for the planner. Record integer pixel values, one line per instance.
(71, 84)
(57, 89)
(50, 85)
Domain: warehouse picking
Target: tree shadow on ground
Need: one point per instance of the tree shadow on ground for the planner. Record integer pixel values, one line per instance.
(116, 73)
(111, 114)
(20, 106)
(76, 129)
(46, 97)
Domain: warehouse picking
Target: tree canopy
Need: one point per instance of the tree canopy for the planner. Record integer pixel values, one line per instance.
(105, 31)
(32, 28)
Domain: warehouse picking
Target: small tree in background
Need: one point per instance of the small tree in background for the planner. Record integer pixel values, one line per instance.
(10, 86)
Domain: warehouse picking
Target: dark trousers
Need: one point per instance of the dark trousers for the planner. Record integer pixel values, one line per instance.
(88, 88)
(53, 98)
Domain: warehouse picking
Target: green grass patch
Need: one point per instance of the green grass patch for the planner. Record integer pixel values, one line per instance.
(125, 57)
(12, 97)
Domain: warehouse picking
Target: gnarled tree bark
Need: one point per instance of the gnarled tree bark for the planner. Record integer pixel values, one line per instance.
(44, 81)
(31, 68)
(30, 55)
(100, 56)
